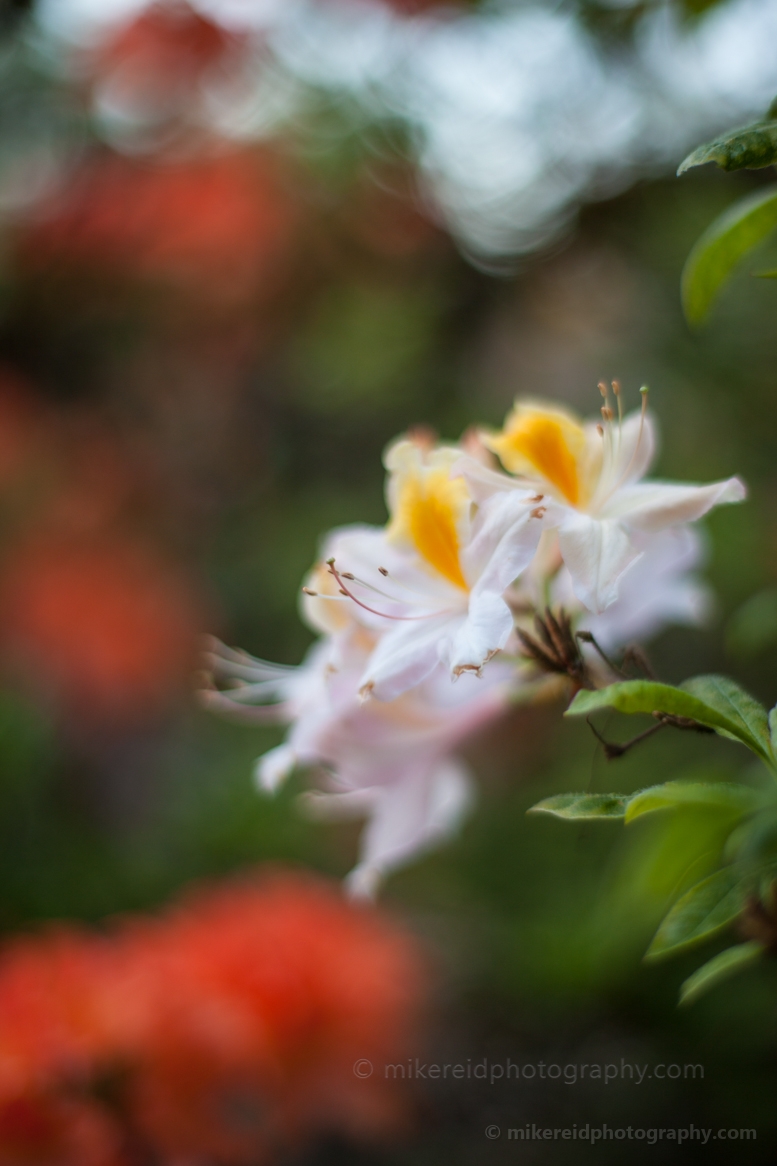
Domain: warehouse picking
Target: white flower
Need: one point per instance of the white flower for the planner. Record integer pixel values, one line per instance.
(660, 589)
(590, 476)
(430, 585)
(389, 762)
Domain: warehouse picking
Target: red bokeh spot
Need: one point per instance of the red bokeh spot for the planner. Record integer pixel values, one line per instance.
(213, 226)
(107, 629)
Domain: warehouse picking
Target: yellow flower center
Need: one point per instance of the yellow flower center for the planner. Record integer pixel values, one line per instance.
(545, 443)
(428, 511)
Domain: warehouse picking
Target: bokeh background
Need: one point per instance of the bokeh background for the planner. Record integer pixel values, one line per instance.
(244, 243)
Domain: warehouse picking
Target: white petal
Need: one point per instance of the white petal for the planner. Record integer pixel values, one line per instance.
(408, 818)
(272, 769)
(505, 538)
(406, 655)
(485, 631)
(596, 554)
(658, 590)
(655, 505)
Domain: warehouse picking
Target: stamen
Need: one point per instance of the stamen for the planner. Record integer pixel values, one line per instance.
(538, 512)
(600, 430)
(383, 570)
(383, 614)
(616, 388)
(537, 498)
(307, 591)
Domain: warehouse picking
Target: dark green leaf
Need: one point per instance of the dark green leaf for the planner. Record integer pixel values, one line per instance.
(583, 806)
(705, 909)
(720, 967)
(748, 147)
(723, 795)
(727, 240)
(713, 701)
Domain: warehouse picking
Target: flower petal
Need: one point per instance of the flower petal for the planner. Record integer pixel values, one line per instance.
(485, 631)
(406, 655)
(410, 817)
(655, 505)
(596, 553)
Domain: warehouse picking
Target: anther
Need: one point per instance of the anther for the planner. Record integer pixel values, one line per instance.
(537, 498)
(307, 591)
(343, 591)
(538, 511)
(607, 413)
(616, 388)
(383, 570)
(347, 575)
(603, 389)
(600, 430)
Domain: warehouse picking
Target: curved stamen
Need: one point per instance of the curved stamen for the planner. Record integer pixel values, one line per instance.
(383, 614)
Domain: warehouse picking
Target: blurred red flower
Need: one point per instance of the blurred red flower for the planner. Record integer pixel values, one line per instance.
(220, 1032)
(212, 226)
(154, 67)
(105, 627)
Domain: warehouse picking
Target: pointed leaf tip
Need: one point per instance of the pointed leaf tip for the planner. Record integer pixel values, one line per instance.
(725, 964)
(583, 805)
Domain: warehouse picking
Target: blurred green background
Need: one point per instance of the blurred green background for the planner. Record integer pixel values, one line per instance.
(151, 400)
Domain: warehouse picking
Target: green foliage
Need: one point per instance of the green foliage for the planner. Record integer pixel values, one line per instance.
(583, 806)
(727, 796)
(701, 912)
(714, 702)
(725, 242)
(749, 147)
(727, 963)
(748, 816)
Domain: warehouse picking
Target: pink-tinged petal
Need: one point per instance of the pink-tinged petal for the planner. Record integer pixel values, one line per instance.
(408, 818)
(485, 631)
(505, 537)
(653, 506)
(406, 655)
(272, 768)
(596, 553)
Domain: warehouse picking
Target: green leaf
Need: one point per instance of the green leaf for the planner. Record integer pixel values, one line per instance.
(706, 908)
(723, 795)
(714, 701)
(583, 806)
(729, 699)
(748, 147)
(723, 244)
(727, 240)
(720, 967)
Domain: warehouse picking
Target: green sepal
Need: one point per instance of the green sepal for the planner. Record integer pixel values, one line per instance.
(727, 240)
(725, 964)
(702, 911)
(583, 805)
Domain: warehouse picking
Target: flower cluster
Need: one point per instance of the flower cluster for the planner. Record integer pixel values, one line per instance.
(425, 623)
(225, 1031)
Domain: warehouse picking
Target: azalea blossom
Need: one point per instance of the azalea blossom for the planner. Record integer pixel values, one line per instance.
(430, 585)
(390, 762)
(590, 478)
